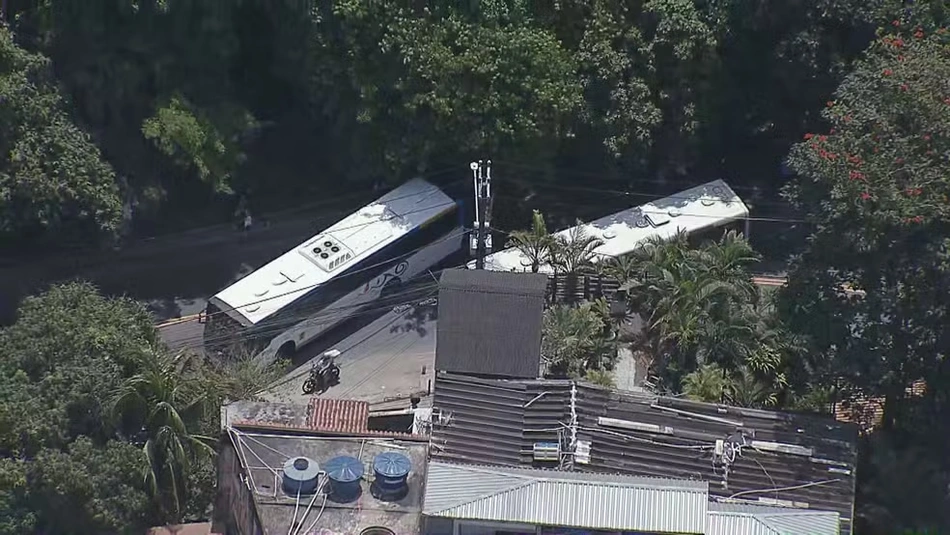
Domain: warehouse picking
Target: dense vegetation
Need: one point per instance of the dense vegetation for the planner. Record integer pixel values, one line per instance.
(125, 116)
(166, 110)
(101, 429)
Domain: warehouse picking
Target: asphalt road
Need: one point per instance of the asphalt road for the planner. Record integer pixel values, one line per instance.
(173, 274)
(383, 358)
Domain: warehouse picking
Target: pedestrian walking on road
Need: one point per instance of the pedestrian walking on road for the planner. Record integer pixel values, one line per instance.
(243, 214)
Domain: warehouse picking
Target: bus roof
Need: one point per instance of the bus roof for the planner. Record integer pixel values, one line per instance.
(707, 206)
(332, 252)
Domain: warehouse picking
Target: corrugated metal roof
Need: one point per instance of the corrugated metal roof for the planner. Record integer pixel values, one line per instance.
(741, 519)
(562, 499)
(496, 422)
(338, 415)
(490, 323)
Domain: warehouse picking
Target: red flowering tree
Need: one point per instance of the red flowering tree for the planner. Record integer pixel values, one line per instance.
(875, 188)
(885, 157)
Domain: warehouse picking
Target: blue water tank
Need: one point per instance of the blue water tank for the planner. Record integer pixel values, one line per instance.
(300, 475)
(344, 474)
(392, 471)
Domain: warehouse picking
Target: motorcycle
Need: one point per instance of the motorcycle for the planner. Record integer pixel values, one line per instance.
(324, 373)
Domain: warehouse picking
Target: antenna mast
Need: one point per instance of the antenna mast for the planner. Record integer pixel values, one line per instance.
(481, 244)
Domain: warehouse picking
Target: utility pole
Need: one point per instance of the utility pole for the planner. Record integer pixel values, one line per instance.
(481, 244)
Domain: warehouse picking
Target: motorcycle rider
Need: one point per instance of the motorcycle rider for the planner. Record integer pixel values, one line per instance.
(326, 360)
(323, 370)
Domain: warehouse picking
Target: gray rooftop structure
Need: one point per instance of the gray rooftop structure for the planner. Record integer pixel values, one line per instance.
(549, 497)
(743, 519)
(490, 323)
(251, 498)
(762, 457)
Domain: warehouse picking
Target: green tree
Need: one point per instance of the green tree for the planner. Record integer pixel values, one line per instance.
(535, 244)
(708, 383)
(67, 353)
(61, 468)
(874, 189)
(703, 309)
(573, 341)
(163, 406)
(54, 185)
(573, 253)
(209, 148)
(436, 82)
(86, 488)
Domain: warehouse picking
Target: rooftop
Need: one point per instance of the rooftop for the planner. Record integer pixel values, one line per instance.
(751, 455)
(593, 501)
(741, 519)
(490, 322)
(290, 276)
(704, 206)
(264, 455)
(320, 417)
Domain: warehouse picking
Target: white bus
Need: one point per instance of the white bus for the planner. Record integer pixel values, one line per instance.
(275, 310)
(696, 210)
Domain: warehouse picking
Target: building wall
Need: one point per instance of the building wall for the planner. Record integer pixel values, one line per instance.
(234, 512)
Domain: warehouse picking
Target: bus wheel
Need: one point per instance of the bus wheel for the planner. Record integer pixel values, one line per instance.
(286, 351)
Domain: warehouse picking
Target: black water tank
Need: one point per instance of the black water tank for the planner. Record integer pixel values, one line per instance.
(392, 471)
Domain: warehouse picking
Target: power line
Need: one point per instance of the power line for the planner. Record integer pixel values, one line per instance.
(345, 274)
(650, 196)
(243, 336)
(274, 329)
(600, 175)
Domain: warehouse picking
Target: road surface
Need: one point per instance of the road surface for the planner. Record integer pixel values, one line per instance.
(384, 358)
(173, 274)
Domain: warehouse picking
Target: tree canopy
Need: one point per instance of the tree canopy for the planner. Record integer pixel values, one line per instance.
(125, 117)
(190, 103)
(870, 289)
(101, 429)
(53, 178)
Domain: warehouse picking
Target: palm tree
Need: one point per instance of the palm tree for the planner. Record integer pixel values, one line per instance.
(572, 254)
(165, 403)
(701, 303)
(709, 383)
(573, 341)
(535, 244)
(750, 391)
(619, 268)
(600, 377)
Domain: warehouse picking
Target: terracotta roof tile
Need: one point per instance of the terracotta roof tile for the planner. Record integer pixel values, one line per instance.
(338, 415)
(307, 430)
(868, 412)
(201, 528)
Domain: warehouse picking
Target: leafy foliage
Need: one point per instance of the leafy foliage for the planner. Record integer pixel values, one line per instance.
(573, 253)
(575, 341)
(875, 189)
(162, 405)
(703, 309)
(194, 141)
(100, 430)
(535, 244)
(54, 184)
